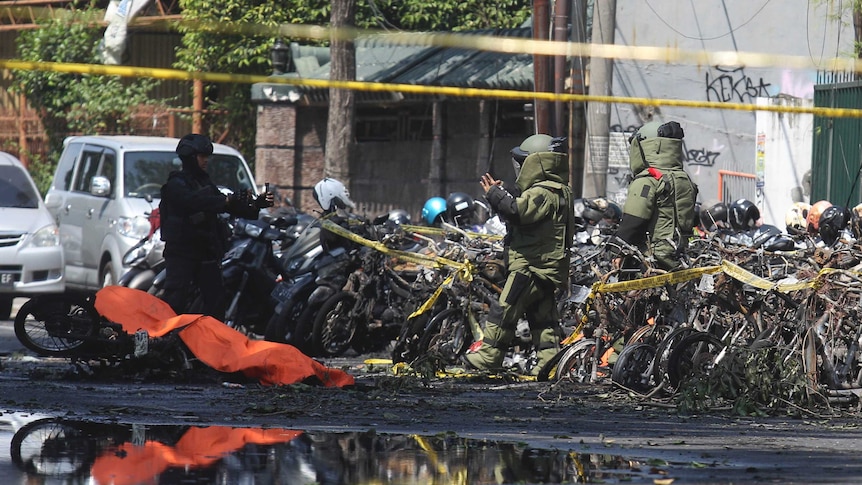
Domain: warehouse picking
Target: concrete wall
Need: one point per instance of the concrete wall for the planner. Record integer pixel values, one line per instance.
(386, 175)
(723, 139)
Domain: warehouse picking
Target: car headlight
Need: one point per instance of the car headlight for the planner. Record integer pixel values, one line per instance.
(47, 237)
(134, 227)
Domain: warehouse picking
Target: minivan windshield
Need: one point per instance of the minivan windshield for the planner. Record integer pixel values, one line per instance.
(16, 189)
(146, 172)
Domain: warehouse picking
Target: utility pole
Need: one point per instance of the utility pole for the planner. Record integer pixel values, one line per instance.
(599, 113)
(342, 106)
(541, 67)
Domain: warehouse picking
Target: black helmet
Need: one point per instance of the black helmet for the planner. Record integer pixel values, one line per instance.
(743, 214)
(398, 216)
(714, 217)
(833, 220)
(764, 233)
(459, 208)
(781, 242)
(194, 144)
(613, 214)
(594, 210)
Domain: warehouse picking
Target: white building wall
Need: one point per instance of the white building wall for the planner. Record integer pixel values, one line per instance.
(784, 143)
(726, 139)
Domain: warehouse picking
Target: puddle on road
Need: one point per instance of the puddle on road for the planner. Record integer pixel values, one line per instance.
(45, 449)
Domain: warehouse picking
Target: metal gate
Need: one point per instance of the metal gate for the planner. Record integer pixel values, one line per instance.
(836, 162)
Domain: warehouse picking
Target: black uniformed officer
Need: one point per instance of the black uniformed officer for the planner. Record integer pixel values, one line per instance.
(195, 238)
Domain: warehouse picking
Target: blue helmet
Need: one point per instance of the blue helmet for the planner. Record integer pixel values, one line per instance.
(433, 208)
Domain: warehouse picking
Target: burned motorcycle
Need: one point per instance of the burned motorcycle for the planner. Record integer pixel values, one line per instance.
(68, 325)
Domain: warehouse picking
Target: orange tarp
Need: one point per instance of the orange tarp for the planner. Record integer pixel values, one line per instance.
(213, 342)
(199, 447)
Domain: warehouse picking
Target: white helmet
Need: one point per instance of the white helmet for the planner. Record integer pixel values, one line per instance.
(332, 194)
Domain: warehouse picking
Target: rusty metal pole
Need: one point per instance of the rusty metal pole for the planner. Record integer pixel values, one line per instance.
(197, 115)
(561, 34)
(541, 65)
(23, 150)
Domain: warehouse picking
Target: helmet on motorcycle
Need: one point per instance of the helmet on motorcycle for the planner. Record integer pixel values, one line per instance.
(714, 217)
(856, 221)
(781, 242)
(814, 214)
(532, 144)
(743, 214)
(459, 208)
(613, 214)
(833, 220)
(194, 144)
(332, 194)
(398, 216)
(796, 218)
(594, 210)
(433, 208)
(763, 234)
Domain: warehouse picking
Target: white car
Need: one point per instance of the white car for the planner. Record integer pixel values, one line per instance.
(31, 258)
(103, 189)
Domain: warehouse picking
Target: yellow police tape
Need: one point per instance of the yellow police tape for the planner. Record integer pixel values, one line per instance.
(734, 271)
(440, 232)
(418, 258)
(215, 77)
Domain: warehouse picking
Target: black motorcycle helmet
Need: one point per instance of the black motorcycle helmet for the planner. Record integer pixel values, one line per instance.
(743, 214)
(714, 217)
(459, 208)
(833, 220)
(764, 233)
(614, 213)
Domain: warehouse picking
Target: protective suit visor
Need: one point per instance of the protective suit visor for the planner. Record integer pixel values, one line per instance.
(518, 157)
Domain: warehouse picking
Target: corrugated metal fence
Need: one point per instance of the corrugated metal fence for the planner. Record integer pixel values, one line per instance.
(836, 162)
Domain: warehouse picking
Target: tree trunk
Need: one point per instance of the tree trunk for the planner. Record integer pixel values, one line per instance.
(340, 125)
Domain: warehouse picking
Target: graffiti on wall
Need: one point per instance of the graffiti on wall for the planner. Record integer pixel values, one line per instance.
(734, 85)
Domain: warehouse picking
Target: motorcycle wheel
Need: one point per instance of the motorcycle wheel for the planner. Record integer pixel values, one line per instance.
(56, 326)
(446, 337)
(694, 356)
(334, 326)
(50, 448)
(575, 363)
(633, 368)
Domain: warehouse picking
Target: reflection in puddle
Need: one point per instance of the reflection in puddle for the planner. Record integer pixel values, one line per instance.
(55, 449)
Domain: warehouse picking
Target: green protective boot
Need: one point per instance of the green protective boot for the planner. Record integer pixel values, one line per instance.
(548, 343)
(490, 357)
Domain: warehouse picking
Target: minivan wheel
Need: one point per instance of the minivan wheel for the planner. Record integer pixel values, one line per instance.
(6, 307)
(107, 277)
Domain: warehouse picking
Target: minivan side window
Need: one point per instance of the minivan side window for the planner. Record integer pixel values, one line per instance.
(108, 168)
(88, 167)
(66, 166)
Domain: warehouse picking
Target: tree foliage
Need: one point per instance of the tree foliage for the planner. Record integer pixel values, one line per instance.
(442, 15)
(213, 51)
(75, 103)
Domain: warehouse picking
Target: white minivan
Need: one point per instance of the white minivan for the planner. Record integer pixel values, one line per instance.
(103, 189)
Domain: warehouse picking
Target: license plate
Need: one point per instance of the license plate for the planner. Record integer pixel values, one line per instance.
(7, 280)
(142, 343)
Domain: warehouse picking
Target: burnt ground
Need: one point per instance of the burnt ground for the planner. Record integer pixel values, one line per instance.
(713, 447)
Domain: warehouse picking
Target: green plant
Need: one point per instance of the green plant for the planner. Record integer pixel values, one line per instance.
(751, 382)
(75, 103)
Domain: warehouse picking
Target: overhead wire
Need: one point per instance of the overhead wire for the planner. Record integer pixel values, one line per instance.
(753, 16)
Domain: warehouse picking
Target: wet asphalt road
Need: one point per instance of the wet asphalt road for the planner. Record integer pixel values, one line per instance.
(699, 449)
